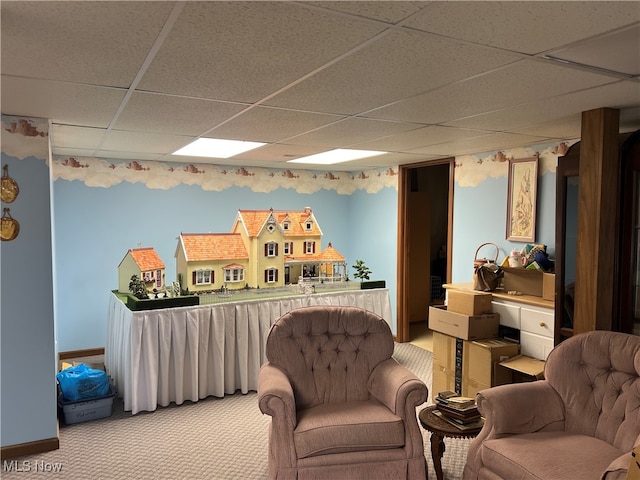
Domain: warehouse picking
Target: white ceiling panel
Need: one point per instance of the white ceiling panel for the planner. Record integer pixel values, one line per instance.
(421, 137)
(64, 103)
(101, 43)
(528, 27)
(518, 83)
(244, 51)
(495, 141)
(619, 51)
(420, 79)
(66, 136)
(535, 114)
(377, 75)
(264, 124)
(351, 131)
(172, 114)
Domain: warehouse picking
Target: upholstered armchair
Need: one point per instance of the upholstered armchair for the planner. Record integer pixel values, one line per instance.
(341, 406)
(581, 422)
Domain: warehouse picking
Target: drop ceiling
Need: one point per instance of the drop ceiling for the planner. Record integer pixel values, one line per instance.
(419, 80)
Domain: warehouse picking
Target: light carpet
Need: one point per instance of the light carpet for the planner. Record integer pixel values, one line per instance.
(215, 438)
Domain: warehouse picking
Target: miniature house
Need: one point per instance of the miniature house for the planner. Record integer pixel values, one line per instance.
(285, 247)
(265, 248)
(209, 261)
(146, 265)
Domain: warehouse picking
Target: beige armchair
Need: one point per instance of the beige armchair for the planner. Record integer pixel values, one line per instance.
(341, 407)
(581, 422)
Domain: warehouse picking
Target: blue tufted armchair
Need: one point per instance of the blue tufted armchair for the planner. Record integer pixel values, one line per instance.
(341, 407)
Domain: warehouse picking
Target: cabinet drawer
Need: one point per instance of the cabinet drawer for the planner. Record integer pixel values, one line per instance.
(509, 314)
(537, 321)
(536, 346)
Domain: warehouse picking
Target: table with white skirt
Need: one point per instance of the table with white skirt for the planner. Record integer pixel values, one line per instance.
(156, 357)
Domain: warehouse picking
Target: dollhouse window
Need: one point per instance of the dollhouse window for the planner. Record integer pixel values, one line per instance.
(288, 248)
(309, 247)
(271, 249)
(202, 277)
(271, 275)
(308, 226)
(234, 274)
(286, 225)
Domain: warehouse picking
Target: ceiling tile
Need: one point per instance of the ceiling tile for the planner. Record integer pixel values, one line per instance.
(496, 141)
(65, 136)
(378, 74)
(420, 138)
(619, 95)
(158, 113)
(264, 124)
(234, 43)
(528, 27)
(102, 43)
(137, 142)
(384, 11)
(619, 52)
(278, 152)
(351, 131)
(518, 83)
(60, 102)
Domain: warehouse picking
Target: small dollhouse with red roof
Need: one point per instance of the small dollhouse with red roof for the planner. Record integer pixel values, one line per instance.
(146, 265)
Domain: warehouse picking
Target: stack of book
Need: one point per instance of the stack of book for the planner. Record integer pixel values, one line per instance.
(459, 411)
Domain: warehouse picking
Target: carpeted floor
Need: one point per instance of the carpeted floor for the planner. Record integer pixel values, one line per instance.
(215, 438)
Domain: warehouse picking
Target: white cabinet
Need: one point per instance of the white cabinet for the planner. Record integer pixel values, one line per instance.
(535, 323)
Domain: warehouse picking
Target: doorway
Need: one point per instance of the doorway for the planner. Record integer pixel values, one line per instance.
(425, 213)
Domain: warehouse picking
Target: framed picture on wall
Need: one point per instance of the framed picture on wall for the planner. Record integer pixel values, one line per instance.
(521, 201)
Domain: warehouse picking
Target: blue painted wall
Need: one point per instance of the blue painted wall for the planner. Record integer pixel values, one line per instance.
(28, 360)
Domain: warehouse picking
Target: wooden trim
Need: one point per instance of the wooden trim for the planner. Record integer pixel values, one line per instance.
(404, 189)
(88, 352)
(597, 235)
(30, 448)
(402, 322)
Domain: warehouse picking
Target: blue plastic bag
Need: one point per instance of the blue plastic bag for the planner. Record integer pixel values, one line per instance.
(81, 383)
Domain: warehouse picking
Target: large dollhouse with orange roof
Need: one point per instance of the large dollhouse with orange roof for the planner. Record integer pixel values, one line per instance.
(266, 248)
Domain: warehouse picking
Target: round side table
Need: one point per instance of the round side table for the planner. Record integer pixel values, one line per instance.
(440, 429)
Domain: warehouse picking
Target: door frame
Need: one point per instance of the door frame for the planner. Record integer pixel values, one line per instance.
(404, 189)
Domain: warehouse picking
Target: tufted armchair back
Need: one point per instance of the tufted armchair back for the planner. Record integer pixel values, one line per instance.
(328, 352)
(597, 374)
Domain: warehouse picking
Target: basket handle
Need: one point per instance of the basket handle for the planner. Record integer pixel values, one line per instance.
(476, 259)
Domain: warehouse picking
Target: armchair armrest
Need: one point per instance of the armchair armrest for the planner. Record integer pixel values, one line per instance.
(391, 384)
(275, 395)
(521, 408)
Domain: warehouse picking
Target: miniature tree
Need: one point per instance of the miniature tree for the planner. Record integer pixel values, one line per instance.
(137, 287)
(362, 271)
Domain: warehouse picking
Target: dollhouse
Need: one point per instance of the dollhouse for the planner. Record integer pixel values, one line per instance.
(144, 263)
(265, 249)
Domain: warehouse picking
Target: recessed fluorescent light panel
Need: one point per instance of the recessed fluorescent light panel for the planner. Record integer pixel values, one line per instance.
(336, 156)
(216, 148)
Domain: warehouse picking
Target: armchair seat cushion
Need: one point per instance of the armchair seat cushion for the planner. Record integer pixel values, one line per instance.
(548, 455)
(347, 427)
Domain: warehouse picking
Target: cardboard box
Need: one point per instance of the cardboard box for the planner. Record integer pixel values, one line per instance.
(467, 367)
(549, 286)
(519, 369)
(525, 281)
(469, 302)
(466, 327)
(85, 410)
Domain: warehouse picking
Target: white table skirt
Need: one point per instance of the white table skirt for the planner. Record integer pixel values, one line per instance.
(170, 355)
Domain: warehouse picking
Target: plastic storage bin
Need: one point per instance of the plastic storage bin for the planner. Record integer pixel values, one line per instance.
(86, 410)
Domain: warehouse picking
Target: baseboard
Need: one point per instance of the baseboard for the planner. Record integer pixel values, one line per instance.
(29, 448)
(89, 352)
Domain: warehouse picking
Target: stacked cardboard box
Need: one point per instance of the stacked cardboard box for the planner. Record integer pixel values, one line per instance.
(465, 344)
